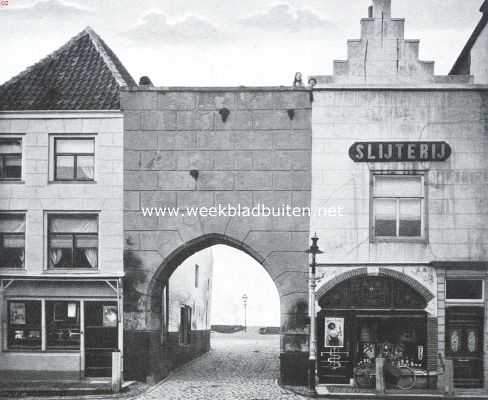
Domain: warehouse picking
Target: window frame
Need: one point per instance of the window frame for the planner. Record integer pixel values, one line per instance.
(468, 301)
(19, 234)
(74, 236)
(3, 157)
(423, 238)
(75, 156)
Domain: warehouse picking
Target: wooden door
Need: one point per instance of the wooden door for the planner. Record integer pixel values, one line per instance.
(335, 347)
(464, 345)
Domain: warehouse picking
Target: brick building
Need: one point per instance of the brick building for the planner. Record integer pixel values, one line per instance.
(404, 151)
(61, 235)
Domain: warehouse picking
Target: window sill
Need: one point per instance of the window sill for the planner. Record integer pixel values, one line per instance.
(39, 351)
(53, 271)
(72, 182)
(399, 240)
(12, 182)
(10, 271)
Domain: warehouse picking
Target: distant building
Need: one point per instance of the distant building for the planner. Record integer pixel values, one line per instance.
(61, 233)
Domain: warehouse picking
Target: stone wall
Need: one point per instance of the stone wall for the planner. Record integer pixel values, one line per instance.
(259, 154)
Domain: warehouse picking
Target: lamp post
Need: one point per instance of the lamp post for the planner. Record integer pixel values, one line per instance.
(312, 283)
(244, 301)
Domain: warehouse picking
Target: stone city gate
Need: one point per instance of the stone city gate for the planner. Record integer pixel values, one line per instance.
(201, 148)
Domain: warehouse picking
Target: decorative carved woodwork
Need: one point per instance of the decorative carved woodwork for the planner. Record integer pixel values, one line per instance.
(373, 292)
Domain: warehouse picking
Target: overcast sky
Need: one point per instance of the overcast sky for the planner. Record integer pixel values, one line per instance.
(224, 42)
(236, 274)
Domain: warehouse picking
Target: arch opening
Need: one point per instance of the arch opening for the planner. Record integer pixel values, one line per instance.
(196, 303)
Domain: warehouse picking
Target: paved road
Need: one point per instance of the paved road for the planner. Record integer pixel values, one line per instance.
(239, 366)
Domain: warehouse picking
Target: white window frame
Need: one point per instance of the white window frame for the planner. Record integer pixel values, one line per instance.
(423, 205)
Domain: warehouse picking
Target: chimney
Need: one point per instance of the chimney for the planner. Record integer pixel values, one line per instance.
(381, 9)
(145, 81)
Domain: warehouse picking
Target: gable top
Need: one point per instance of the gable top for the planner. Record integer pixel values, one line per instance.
(83, 74)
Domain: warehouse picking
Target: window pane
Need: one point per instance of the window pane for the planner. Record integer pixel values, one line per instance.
(410, 218)
(73, 223)
(385, 217)
(12, 223)
(398, 186)
(13, 167)
(464, 289)
(65, 167)
(24, 324)
(63, 324)
(85, 167)
(10, 146)
(74, 146)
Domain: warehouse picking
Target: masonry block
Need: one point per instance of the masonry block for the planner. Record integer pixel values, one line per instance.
(215, 100)
(176, 100)
(195, 120)
(216, 180)
(158, 160)
(175, 180)
(157, 199)
(253, 181)
(158, 120)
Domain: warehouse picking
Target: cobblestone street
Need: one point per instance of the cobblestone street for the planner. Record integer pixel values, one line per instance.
(239, 366)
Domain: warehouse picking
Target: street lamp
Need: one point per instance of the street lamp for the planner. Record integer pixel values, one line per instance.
(244, 301)
(312, 283)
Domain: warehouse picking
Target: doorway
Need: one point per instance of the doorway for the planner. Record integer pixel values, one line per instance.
(464, 345)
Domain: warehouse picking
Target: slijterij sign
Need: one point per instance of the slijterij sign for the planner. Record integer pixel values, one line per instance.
(399, 151)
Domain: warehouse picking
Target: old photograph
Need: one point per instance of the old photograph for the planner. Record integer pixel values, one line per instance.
(243, 200)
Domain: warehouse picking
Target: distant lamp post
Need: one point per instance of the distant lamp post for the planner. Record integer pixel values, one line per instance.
(244, 302)
(312, 283)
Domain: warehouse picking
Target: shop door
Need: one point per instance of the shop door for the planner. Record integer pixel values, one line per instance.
(335, 347)
(464, 345)
(101, 338)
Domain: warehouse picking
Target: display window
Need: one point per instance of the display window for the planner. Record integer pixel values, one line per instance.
(24, 325)
(63, 325)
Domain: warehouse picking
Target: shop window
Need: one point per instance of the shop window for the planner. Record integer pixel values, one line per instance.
(74, 159)
(398, 206)
(24, 325)
(63, 325)
(185, 325)
(73, 241)
(10, 159)
(464, 289)
(12, 240)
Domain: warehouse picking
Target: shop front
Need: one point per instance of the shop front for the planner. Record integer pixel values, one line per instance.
(366, 318)
(59, 329)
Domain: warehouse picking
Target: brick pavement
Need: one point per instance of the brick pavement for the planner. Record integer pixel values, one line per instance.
(239, 366)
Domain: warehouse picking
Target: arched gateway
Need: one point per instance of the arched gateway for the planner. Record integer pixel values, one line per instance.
(361, 314)
(202, 148)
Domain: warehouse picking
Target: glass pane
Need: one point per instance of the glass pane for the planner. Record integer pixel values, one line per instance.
(62, 324)
(74, 146)
(24, 330)
(12, 257)
(410, 218)
(472, 341)
(12, 223)
(86, 258)
(65, 167)
(61, 241)
(73, 223)
(13, 167)
(10, 146)
(466, 289)
(85, 167)
(385, 217)
(398, 186)
(87, 241)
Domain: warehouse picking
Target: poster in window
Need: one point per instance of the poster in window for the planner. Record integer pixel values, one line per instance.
(71, 310)
(110, 316)
(334, 332)
(17, 313)
(58, 312)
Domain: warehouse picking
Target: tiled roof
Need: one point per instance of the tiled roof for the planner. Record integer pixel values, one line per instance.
(84, 74)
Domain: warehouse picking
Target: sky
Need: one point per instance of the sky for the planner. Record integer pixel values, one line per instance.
(236, 274)
(224, 42)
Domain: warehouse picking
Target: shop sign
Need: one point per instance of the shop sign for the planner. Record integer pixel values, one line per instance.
(399, 151)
